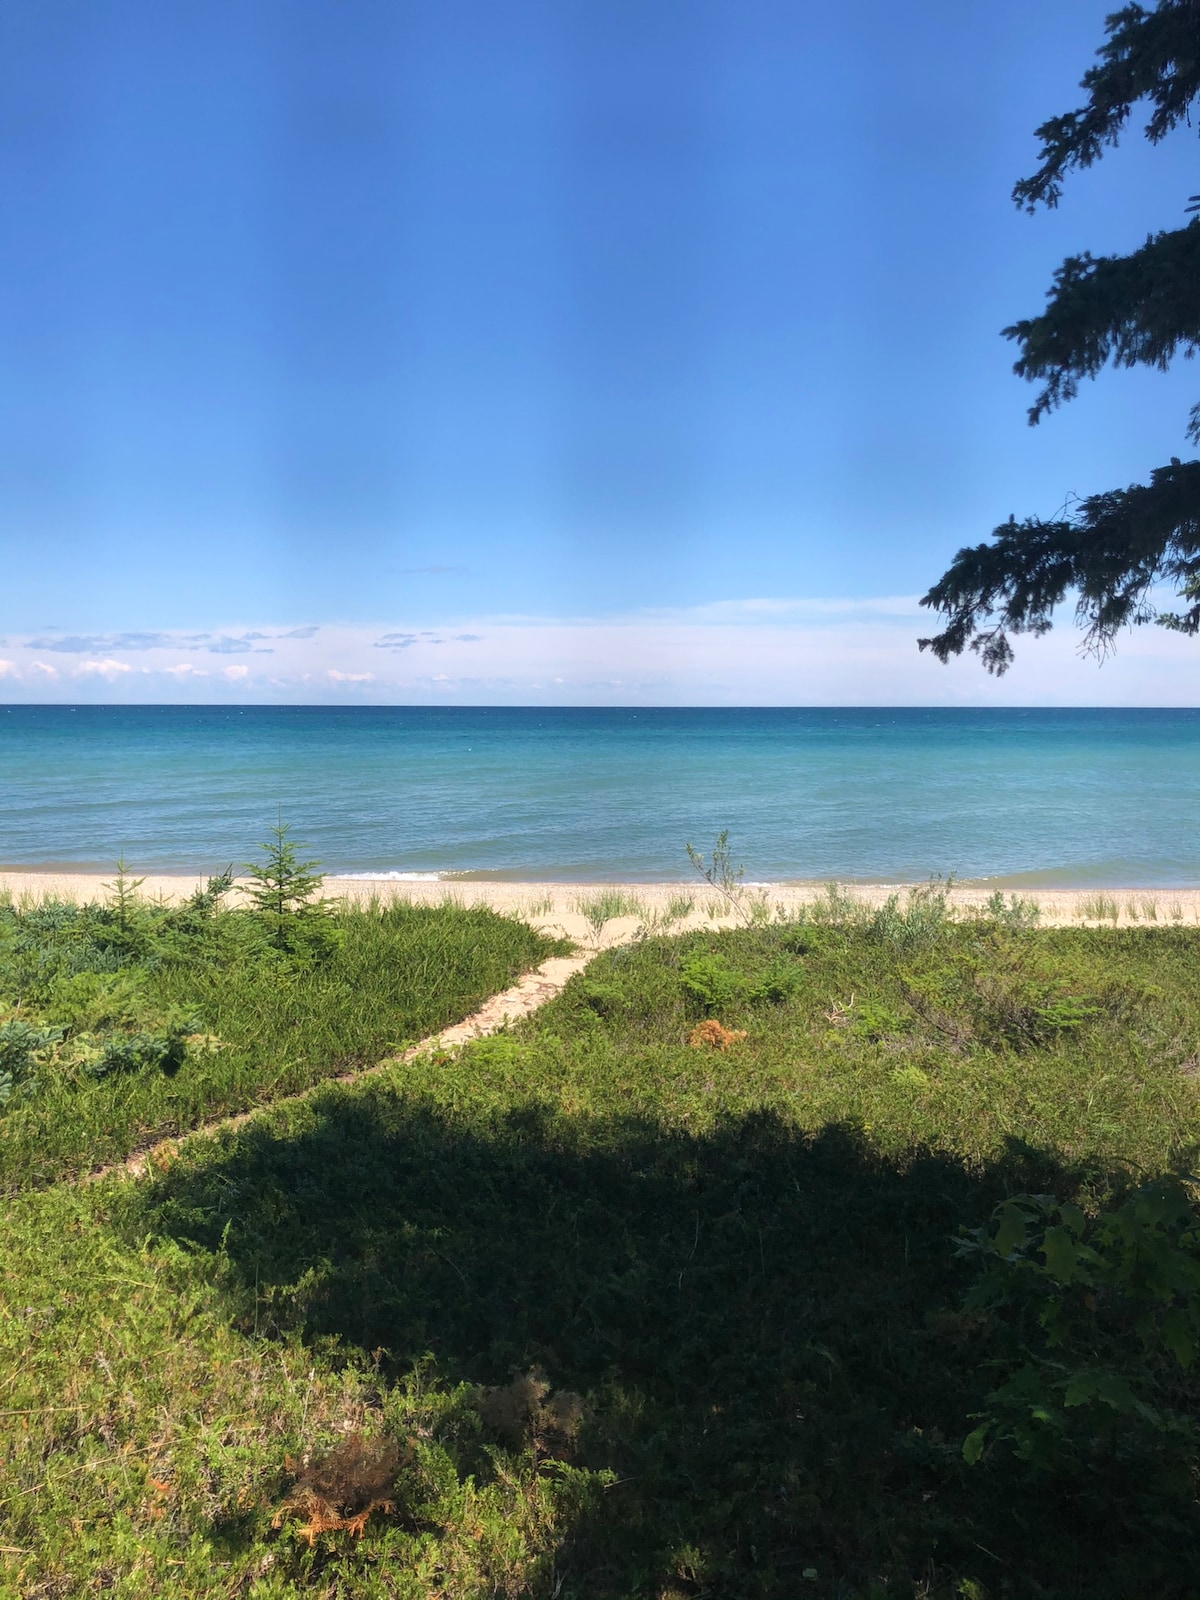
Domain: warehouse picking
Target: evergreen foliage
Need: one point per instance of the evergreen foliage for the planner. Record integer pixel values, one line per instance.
(1140, 309)
(284, 889)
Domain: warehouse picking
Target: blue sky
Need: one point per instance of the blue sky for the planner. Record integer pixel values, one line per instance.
(544, 331)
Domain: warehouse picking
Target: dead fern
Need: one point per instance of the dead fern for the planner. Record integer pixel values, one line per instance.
(715, 1035)
(339, 1491)
(527, 1414)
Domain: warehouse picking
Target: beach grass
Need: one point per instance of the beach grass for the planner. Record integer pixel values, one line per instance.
(1099, 908)
(605, 906)
(157, 1018)
(635, 1316)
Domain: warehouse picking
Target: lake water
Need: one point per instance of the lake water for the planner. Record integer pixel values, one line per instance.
(1044, 798)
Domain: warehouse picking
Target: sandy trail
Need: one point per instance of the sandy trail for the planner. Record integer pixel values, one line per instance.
(532, 991)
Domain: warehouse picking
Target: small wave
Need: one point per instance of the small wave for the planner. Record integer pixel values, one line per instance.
(390, 877)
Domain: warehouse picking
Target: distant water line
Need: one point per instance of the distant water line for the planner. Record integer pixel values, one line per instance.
(1041, 798)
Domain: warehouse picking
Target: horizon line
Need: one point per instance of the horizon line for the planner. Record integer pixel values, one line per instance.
(415, 705)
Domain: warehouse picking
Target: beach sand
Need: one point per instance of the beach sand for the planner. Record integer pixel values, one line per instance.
(561, 907)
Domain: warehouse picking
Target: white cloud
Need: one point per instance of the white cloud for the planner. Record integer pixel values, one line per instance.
(8, 669)
(108, 668)
(733, 652)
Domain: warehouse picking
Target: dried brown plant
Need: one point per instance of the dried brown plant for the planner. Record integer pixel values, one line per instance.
(526, 1412)
(338, 1492)
(715, 1035)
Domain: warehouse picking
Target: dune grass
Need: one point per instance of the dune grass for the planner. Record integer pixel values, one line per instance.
(153, 1020)
(635, 1318)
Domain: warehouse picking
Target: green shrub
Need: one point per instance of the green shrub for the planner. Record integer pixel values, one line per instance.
(1016, 912)
(20, 1046)
(1095, 1330)
(140, 1052)
(709, 980)
(777, 984)
(921, 921)
(872, 1021)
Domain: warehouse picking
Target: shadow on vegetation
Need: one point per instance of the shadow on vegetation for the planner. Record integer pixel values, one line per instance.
(764, 1326)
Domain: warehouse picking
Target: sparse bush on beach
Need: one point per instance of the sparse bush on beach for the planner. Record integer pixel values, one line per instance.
(1017, 911)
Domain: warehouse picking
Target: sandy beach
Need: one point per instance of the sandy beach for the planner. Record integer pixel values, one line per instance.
(564, 907)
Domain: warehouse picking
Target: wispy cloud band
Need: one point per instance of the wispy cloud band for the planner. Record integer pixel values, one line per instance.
(738, 652)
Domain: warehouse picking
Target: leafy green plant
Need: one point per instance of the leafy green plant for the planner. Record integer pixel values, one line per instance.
(920, 921)
(1016, 912)
(1062, 1014)
(873, 1020)
(1096, 1326)
(777, 984)
(140, 1052)
(834, 907)
(707, 979)
(201, 906)
(719, 872)
(605, 999)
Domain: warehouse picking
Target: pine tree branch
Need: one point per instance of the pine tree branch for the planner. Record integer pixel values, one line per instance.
(1110, 554)
(1148, 55)
(1139, 309)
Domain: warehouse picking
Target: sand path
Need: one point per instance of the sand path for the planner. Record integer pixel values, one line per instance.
(510, 1005)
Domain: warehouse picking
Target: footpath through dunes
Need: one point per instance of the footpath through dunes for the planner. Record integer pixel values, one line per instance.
(126, 1022)
(511, 1005)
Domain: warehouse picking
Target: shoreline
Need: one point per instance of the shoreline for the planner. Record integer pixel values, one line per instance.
(562, 907)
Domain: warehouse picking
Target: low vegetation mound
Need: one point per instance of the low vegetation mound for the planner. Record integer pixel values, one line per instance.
(125, 1021)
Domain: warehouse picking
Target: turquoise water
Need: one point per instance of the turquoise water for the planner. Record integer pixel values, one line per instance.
(1045, 798)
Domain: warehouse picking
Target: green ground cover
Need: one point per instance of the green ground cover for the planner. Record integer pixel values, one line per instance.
(122, 1022)
(895, 1296)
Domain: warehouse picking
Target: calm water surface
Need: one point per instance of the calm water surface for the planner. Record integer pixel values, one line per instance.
(1048, 798)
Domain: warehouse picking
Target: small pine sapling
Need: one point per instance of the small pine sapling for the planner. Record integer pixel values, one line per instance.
(209, 900)
(123, 891)
(19, 1047)
(284, 892)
